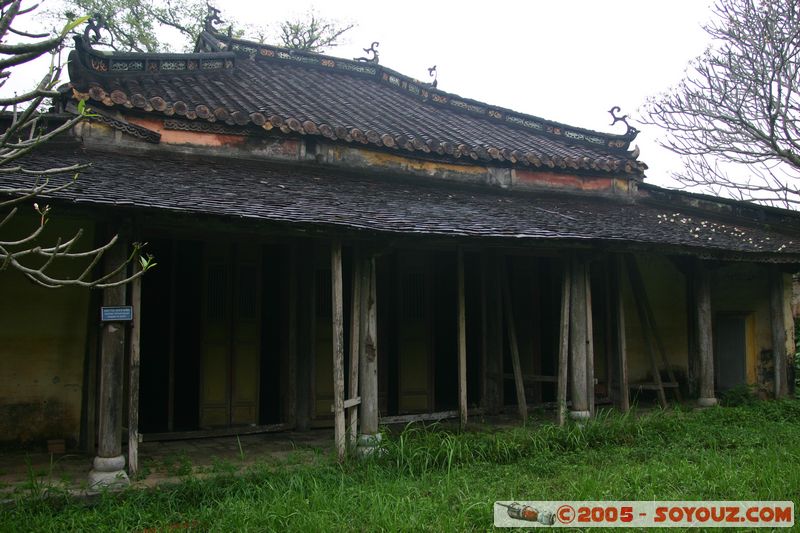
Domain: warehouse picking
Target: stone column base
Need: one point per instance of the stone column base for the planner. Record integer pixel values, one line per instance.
(580, 416)
(368, 445)
(108, 473)
(706, 402)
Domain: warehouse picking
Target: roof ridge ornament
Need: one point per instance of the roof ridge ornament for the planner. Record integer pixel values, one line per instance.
(632, 132)
(94, 24)
(212, 18)
(373, 49)
(433, 73)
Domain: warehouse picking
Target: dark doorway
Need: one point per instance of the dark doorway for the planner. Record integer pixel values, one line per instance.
(730, 350)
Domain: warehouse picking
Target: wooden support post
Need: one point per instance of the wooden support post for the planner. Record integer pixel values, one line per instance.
(639, 296)
(355, 348)
(462, 343)
(777, 318)
(133, 377)
(622, 342)
(368, 372)
(522, 404)
(578, 340)
(563, 347)
(702, 286)
(108, 467)
(338, 350)
(589, 341)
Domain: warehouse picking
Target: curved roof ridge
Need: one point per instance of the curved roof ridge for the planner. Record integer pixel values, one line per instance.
(216, 42)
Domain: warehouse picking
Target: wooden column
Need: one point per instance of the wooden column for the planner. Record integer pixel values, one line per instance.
(356, 304)
(368, 375)
(133, 377)
(338, 350)
(522, 404)
(108, 467)
(579, 340)
(462, 343)
(622, 342)
(778, 321)
(563, 347)
(702, 286)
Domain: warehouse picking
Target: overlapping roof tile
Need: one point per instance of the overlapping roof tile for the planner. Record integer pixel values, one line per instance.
(258, 86)
(335, 201)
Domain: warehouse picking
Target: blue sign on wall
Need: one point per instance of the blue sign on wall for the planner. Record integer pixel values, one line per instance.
(119, 313)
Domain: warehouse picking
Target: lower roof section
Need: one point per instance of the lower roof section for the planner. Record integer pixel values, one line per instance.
(336, 201)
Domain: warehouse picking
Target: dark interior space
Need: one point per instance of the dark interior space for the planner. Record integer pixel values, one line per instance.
(445, 331)
(170, 339)
(274, 321)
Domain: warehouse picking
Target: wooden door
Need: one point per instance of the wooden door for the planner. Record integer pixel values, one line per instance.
(231, 336)
(730, 351)
(415, 341)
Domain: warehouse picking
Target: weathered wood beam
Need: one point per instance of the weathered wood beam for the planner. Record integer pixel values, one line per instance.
(462, 343)
(338, 350)
(522, 404)
(778, 326)
(622, 341)
(368, 371)
(579, 340)
(355, 347)
(133, 377)
(108, 467)
(563, 346)
(702, 297)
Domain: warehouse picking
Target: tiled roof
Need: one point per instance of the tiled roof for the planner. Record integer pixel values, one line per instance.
(252, 85)
(335, 201)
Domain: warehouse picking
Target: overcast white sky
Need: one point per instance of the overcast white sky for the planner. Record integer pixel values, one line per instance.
(565, 60)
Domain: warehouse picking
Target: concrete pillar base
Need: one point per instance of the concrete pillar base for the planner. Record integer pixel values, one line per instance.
(108, 473)
(707, 402)
(368, 445)
(580, 416)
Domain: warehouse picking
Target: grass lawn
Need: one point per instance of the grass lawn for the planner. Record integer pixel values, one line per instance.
(442, 481)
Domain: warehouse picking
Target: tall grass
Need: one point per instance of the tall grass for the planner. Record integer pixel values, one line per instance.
(430, 478)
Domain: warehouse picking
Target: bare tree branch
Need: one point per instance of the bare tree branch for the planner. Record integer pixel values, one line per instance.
(736, 115)
(25, 253)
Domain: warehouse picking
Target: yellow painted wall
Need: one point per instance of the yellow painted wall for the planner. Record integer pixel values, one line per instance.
(42, 346)
(666, 290)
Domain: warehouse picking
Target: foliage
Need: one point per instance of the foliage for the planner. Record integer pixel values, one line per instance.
(26, 133)
(736, 115)
(312, 33)
(432, 479)
(141, 25)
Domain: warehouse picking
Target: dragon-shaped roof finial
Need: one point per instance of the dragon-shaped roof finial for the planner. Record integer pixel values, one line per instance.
(94, 24)
(212, 18)
(373, 49)
(632, 132)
